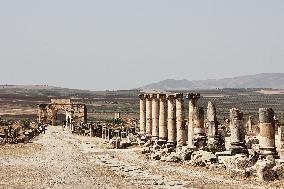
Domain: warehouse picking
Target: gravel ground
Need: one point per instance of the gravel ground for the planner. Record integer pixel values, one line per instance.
(59, 159)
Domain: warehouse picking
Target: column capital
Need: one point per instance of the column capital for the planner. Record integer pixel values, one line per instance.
(193, 96)
(142, 96)
(161, 96)
(170, 97)
(148, 96)
(179, 96)
(153, 96)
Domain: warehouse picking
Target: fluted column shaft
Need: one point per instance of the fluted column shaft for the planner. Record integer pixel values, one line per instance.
(236, 126)
(193, 98)
(171, 119)
(142, 113)
(155, 117)
(163, 130)
(148, 114)
(180, 118)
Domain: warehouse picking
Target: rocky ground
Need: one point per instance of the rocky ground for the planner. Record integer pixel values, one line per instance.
(59, 159)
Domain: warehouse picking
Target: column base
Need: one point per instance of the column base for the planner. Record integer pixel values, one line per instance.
(200, 141)
(238, 148)
(268, 151)
(170, 144)
(216, 142)
(148, 137)
(154, 138)
(190, 147)
(162, 142)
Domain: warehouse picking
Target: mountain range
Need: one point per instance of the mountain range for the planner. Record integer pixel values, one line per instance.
(263, 80)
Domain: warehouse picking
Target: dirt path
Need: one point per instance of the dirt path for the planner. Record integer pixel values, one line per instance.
(59, 159)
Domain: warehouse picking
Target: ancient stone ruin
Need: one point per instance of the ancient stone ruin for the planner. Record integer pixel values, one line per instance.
(199, 139)
(168, 136)
(75, 112)
(13, 132)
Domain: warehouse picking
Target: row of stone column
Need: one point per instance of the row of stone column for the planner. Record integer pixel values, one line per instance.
(162, 117)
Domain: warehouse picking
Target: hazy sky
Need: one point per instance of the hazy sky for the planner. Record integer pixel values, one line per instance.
(121, 44)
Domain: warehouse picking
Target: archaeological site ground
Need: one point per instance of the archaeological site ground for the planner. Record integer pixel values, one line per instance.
(64, 138)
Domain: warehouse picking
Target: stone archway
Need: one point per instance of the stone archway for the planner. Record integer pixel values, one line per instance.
(47, 113)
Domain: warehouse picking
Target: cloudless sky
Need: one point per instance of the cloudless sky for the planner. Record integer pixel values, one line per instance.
(122, 44)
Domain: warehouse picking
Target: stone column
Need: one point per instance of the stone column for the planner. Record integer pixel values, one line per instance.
(198, 118)
(267, 132)
(249, 125)
(155, 117)
(148, 115)
(237, 129)
(142, 113)
(180, 118)
(91, 130)
(214, 139)
(53, 117)
(172, 131)
(104, 132)
(212, 120)
(281, 142)
(163, 130)
(193, 98)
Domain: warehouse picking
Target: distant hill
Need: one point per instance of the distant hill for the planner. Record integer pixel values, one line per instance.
(263, 80)
(40, 90)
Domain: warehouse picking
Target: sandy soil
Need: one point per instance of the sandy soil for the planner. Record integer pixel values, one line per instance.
(59, 159)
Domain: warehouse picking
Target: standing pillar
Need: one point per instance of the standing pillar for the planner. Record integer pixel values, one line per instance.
(237, 129)
(198, 118)
(142, 113)
(148, 115)
(267, 132)
(192, 104)
(212, 120)
(103, 132)
(53, 117)
(212, 124)
(281, 142)
(180, 122)
(155, 117)
(249, 125)
(163, 130)
(171, 120)
(91, 130)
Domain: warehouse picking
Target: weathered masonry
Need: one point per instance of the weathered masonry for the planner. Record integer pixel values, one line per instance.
(75, 112)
